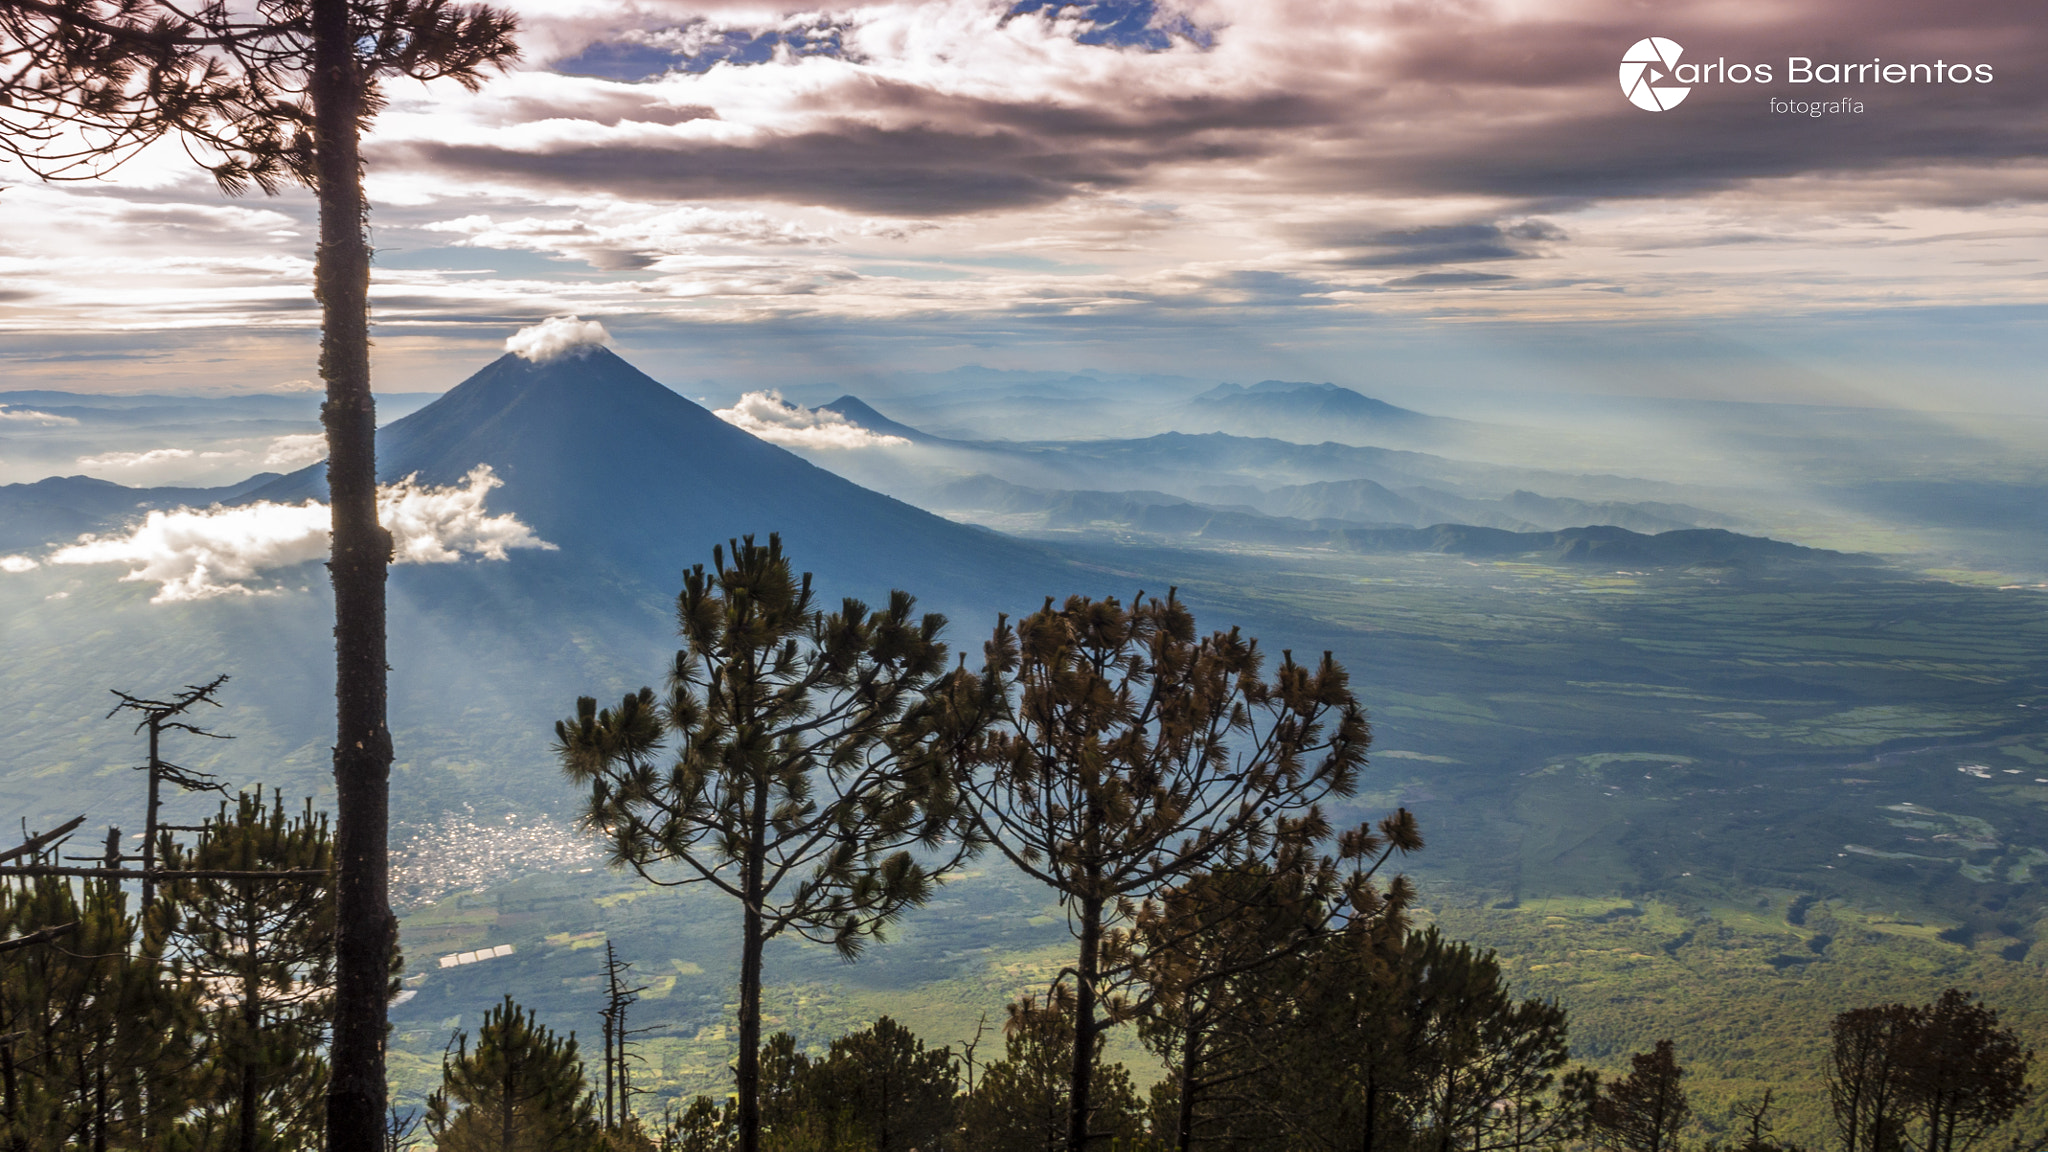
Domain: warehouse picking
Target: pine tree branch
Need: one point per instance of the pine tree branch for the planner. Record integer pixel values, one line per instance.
(43, 937)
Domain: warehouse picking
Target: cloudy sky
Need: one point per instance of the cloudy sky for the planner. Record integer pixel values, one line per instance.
(1403, 196)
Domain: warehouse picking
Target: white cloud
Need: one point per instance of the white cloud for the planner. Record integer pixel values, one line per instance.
(195, 554)
(136, 459)
(16, 565)
(31, 416)
(770, 417)
(556, 336)
(437, 525)
(294, 452)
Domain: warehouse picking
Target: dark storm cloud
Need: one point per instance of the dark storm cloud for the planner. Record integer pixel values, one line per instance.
(935, 154)
(913, 173)
(1445, 100)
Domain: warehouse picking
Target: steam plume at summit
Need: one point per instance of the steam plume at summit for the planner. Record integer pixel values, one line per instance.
(555, 337)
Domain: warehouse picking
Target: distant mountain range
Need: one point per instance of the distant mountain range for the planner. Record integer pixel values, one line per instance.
(1386, 487)
(1167, 517)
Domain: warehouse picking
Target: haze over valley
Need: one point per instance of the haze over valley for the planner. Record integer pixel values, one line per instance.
(1589, 684)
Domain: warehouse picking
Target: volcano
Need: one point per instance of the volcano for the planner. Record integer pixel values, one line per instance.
(624, 474)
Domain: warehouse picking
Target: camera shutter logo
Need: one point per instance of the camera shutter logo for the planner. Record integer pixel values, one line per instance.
(1650, 61)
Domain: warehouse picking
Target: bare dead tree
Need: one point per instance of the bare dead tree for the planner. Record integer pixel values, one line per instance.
(159, 716)
(618, 1080)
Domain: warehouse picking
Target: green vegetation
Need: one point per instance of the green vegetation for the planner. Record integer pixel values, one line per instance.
(520, 1090)
(1573, 744)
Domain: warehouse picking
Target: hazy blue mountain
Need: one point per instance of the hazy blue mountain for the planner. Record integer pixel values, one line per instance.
(1294, 410)
(1641, 516)
(61, 508)
(858, 411)
(1305, 399)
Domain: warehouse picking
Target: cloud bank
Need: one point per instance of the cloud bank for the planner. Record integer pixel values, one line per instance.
(197, 554)
(770, 417)
(556, 336)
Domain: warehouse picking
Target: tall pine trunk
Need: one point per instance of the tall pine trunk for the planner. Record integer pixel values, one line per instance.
(1084, 1020)
(361, 552)
(252, 1024)
(749, 1078)
(1190, 1061)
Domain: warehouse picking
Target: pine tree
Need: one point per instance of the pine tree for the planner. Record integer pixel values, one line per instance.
(279, 97)
(1342, 1060)
(1221, 958)
(1480, 1062)
(802, 785)
(1936, 1078)
(1645, 1110)
(1133, 754)
(1021, 1103)
(263, 948)
(520, 1090)
(1963, 1074)
(1396, 1039)
(881, 1089)
(703, 1125)
(95, 1048)
(1866, 1076)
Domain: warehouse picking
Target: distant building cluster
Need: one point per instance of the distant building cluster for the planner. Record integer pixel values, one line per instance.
(467, 850)
(457, 959)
